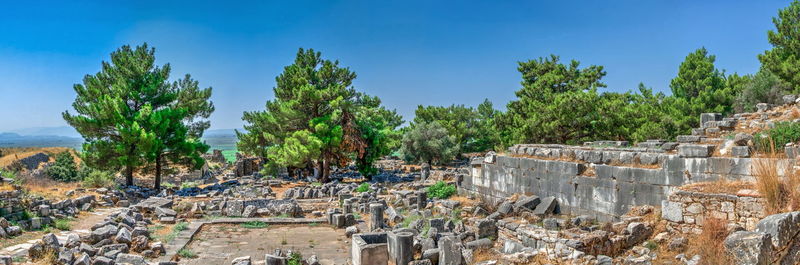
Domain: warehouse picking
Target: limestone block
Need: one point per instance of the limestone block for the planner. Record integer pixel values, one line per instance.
(749, 247)
(695, 150)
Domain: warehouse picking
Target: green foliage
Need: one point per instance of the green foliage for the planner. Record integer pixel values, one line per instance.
(180, 226)
(133, 118)
(429, 143)
(63, 224)
(295, 259)
(364, 187)
(188, 184)
(697, 74)
(254, 225)
(64, 168)
(784, 58)
(441, 190)
(317, 119)
(97, 179)
(186, 253)
(762, 87)
(776, 138)
(472, 129)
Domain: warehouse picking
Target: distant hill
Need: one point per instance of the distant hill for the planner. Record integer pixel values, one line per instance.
(8, 139)
(48, 131)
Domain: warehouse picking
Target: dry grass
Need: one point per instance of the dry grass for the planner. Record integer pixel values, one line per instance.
(464, 200)
(12, 154)
(722, 185)
(48, 188)
(709, 244)
(782, 193)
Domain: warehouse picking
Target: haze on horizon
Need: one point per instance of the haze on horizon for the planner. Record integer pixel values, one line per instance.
(408, 53)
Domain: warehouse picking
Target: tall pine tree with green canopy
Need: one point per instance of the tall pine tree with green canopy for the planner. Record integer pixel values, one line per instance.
(555, 104)
(700, 87)
(132, 117)
(783, 59)
(313, 120)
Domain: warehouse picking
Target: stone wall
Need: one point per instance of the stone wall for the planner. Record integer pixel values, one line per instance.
(601, 182)
(686, 211)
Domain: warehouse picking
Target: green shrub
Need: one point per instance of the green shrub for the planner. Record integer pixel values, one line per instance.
(185, 253)
(180, 226)
(364, 187)
(441, 190)
(167, 185)
(295, 259)
(98, 179)
(780, 135)
(63, 224)
(64, 169)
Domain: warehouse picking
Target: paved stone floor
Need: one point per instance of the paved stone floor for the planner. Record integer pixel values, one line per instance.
(220, 244)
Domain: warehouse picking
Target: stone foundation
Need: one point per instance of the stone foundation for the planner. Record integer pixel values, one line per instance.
(686, 211)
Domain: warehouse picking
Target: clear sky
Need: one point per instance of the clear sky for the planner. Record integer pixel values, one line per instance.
(406, 52)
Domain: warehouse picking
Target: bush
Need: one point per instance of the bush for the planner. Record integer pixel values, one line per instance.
(441, 190)
(64, 169)
(777, 137)
(98, 179)
(364, 187)
(63, 224)
(185, 253)
(295, 259)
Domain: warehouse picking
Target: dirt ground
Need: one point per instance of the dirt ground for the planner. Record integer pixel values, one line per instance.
(220, 244)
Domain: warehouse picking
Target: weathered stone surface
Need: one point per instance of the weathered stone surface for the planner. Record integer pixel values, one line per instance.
(781, 227)
(449, 251)
(527, 203)
(130, 259)
(671, 211)
(480, 243)
(123, 236)
(695, 150)
(740, 151)
(749, 247)
(242, 261)
(486, 229)
(547, 206)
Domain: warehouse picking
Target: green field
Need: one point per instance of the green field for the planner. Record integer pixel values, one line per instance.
(226, 143)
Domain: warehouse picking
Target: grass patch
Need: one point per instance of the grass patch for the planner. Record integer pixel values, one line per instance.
(254, 225)
(283, 215)
(185, 253)
(441, 190)
(189, 184)
(364, 187)
(64, 224)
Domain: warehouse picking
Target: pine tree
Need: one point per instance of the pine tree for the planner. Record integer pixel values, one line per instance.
(132, 117)
(310, 122)
(784, 58)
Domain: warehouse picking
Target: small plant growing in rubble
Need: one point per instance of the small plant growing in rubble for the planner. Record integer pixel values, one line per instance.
(185, 253)
(441, 190)
(364, 187)
(255, 224)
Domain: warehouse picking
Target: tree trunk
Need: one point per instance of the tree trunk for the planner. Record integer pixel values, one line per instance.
(326, 170)
(128, 175)
(157, 184)
(321, 170)
(128, 167)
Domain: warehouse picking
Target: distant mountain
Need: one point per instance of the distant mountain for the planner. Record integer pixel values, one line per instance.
(8, 139)
(48, 131)
(220, 132)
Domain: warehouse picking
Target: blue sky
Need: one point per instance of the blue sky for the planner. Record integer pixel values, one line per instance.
(406, 52)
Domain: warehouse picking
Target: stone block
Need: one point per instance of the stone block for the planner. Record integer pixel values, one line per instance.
(740, 151)
(688, 139)
(789, 99)
(449, 251)
(706, 117)
(527, 203)
(695, 150)
(781, 227)
(486, 228)
(400, 247)
(370, 249)
(671, 211)
(547, 206)
(749, 247)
